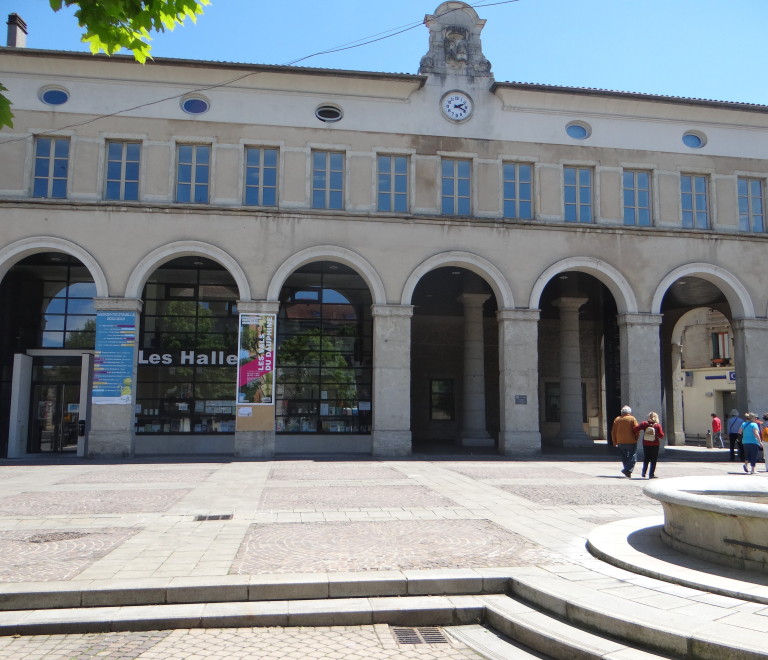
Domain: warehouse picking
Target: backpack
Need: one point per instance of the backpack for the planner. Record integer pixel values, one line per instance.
(649, 435)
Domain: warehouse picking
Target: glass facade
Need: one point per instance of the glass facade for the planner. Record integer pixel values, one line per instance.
(324, 352)
(187, 366)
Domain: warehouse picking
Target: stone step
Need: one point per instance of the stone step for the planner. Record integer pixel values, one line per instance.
(492, 645)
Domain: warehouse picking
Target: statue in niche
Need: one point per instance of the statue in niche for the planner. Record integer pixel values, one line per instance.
(455, 44)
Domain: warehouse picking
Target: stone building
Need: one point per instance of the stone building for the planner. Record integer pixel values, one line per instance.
(450, 258)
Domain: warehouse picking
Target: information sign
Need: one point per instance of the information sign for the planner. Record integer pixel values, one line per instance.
(256, 360)
(113, 358)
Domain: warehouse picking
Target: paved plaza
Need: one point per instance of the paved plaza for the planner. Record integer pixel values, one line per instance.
(89, 524)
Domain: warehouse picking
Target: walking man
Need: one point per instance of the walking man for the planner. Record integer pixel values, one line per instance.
(734, 426)
(624, 437)
(717, 428)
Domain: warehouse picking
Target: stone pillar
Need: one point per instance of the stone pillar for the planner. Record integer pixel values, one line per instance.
(519, 382)
(473, 432)
(677, 435)
(112, 426)
(750, 339)
(257, 444)
(392, 380)
(571, 431)
(640, 363)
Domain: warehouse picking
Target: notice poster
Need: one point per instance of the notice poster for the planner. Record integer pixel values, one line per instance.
(113, 358)
(256, 360)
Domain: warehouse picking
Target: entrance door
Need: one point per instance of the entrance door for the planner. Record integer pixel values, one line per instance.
(55, 405)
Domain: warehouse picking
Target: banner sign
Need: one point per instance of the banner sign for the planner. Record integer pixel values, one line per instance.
(256, 360)
(113, 358)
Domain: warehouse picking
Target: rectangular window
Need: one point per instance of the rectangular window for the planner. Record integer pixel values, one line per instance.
(123, 171)
(517, 191)
(637, 198)
(260, 177)
(455, 187)
(693, 191)
(393, 184)
(751, 205)
(441, 404)
(327, 180)
(193, 173)
(51, 166)
(721, 346)
(578, 194)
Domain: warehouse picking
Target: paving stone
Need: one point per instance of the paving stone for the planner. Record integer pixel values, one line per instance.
(385, 545)
(515, 471)
(334, 472)
(79, 502)
(624, 493)
(133, 476)
(351, 497)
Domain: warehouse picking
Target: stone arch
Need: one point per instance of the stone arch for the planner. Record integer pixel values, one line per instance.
(167, 253)
(607, 274)
(734, 291)
(328, 253)
(15, 252)
(677, 331)
(476, 264)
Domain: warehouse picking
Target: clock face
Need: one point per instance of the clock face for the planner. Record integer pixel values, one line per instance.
(456, 106)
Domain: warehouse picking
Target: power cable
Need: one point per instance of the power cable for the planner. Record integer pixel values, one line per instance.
(348, 46)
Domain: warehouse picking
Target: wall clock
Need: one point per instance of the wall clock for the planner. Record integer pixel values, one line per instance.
(456, 106)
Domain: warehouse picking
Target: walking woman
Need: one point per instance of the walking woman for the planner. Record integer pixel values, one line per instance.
(750, 437)
(652, 433)
(734, 426)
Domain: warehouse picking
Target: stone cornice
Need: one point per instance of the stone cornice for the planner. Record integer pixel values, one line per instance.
(640, 319)
(392, 310)
(117, 304)
(258, 306)
(526, 315)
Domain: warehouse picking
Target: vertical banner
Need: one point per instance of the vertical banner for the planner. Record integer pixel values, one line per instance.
(113, 358)
(256, 362)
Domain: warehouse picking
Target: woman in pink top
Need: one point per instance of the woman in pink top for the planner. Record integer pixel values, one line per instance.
(652, 433)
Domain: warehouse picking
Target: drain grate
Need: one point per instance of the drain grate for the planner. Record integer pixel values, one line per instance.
(429, 635)
(222, 516)
(56, 536)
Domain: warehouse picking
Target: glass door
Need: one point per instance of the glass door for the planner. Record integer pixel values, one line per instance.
(55, 405)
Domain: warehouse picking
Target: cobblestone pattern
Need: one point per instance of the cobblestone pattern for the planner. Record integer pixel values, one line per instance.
(664, 472)
(386, 545)
(23, 560)
(318, 498)
(139, 477)
(333, 472)
(624, 494)
(237, 643)
(84, 502)
(515, 472)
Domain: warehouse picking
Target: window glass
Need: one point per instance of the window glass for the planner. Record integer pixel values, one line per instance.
(577, 194)
(393, 184)
(693, 199)
(517, 191)
(327, 180)
(123, 171)
(324, 356)
(455, 187)
(260, 177)
(188, 350)
(751, 214)
(51, 167)
(193, 174)
(637, 198)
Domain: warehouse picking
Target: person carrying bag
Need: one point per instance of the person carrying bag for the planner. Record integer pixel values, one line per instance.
(652, 434)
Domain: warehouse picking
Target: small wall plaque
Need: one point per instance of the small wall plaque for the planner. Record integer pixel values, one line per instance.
(521, 399)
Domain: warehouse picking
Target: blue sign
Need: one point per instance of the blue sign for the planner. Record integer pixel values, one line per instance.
(113, 358)
(731, 375)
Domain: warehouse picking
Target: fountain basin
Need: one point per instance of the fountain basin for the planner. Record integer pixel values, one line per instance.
(723, 519)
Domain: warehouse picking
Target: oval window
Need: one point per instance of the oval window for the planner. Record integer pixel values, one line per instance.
(693, 141)
(577, 131)
(328, 113)
(54, 96)
(195, 106)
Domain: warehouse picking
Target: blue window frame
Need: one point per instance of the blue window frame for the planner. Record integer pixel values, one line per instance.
(123, 171)
(193, 173)
(693, 192)
(637, 198)
(51, 168)
(260, 177)
(393, 184)
(517, 191)
(578, 194)
(456, 187)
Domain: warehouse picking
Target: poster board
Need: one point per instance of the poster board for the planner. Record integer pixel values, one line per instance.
(113, 358)
(257, 334)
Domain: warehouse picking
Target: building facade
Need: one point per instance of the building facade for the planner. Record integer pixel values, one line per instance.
(449, 258)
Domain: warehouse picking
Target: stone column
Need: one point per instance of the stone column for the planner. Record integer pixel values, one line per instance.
(750, 339)
(256, 444)
(112, 425)
(473, 432)
(677, 435)
(640, 363)
(519, 382)
(392, 380)
(571, 431)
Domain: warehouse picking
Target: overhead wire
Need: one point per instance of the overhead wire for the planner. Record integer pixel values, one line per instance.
(336, 49)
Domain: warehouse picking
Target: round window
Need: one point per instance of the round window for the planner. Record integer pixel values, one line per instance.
(693, 140)
(195, 106)
(329, 113)
(578, 131)
(54, 96)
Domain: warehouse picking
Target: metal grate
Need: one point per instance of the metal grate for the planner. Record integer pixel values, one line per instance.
(222, 516)
(429, 635)
(55, 536)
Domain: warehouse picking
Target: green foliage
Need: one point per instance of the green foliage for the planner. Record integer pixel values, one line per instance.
(83, 338)
(111, 25)
(6, 116)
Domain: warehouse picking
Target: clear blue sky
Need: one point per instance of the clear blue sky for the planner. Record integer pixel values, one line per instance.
(703, 48)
